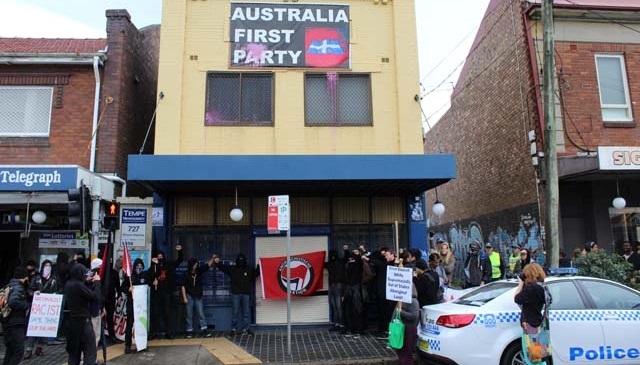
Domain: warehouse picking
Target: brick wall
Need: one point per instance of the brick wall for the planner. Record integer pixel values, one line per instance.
(69, 140)
(130, 78)
(576, 67)
(492, 110)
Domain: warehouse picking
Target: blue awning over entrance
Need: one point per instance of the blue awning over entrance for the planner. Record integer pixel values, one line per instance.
(304, 174)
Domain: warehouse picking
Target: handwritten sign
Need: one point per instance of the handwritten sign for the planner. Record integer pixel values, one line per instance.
(45, 315)
(399, 282)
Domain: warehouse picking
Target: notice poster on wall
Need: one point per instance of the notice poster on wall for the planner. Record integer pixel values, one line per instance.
(289, 35)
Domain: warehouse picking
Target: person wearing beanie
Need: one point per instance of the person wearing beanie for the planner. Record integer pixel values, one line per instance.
(242, 280)
(191, 293)
(14, 327)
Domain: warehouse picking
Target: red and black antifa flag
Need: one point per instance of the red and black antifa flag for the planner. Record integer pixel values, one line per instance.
(306, 274)
(289, 35)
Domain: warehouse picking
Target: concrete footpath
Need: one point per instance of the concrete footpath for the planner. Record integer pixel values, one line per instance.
(308, 346)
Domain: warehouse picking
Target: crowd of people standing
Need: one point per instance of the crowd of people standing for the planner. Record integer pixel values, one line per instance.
(88, 300)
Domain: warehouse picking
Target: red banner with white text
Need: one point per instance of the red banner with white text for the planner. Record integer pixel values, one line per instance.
(306, 275)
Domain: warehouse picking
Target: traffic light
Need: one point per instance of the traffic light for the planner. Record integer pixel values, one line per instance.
(112, 216)
(74, 209)
(79, 209)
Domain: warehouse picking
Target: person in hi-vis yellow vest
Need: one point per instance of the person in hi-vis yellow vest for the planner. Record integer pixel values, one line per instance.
(497, 267)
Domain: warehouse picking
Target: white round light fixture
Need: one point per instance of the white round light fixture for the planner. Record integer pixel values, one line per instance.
(39, 217)
(438, 209)
(619, 203)
(236, 214)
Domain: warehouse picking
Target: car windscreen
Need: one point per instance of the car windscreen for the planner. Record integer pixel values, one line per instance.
(484, 294)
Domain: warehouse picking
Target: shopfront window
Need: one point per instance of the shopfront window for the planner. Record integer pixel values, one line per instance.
(625, 226)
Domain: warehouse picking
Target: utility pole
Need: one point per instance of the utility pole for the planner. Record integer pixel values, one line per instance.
(552, 230)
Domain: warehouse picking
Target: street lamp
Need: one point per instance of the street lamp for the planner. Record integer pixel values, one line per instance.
(618, 202)
(39, 217)
(236, 213)
(438, 207)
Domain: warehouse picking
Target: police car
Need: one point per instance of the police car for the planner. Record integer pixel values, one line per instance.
(591, 321)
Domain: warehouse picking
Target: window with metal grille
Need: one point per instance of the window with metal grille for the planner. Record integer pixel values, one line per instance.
(25, 111)
(239, 99)
(337, 99)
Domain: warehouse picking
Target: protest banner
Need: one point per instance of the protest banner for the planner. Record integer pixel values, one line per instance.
(45, 315)
(399, 282)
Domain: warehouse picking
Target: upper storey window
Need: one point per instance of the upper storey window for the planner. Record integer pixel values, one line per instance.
(25, 111)
(337, 99)
(239, 99)
(614, 90)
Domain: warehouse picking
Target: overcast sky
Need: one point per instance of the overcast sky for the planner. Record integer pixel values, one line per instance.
(446, 29)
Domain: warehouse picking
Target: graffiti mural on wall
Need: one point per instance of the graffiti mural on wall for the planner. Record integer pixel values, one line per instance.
(459, 236)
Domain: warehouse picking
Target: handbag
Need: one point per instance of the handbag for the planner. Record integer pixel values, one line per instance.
(396, 331)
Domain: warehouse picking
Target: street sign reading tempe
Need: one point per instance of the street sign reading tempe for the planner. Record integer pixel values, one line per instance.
(289, 35)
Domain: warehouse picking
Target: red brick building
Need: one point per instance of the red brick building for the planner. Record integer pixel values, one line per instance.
(71, 110)
(496, 107)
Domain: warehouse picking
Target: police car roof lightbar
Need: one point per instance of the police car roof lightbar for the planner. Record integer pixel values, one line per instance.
(563, 271)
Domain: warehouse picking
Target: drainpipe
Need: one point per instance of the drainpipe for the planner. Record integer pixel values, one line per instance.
(96, 107)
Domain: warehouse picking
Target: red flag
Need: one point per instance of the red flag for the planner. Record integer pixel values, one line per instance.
(306, 274)
(126, 261)
(103, 267)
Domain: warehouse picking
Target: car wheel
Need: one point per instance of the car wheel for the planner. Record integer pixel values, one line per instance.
(513, 354)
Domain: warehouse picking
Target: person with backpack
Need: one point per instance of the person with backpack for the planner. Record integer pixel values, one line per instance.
(477, 267)
(14, 308)
(46, 283)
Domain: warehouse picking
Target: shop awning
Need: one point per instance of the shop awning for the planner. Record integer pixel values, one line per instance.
(292, 174)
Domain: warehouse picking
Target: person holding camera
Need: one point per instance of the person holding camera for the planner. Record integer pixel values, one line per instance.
(81, 290)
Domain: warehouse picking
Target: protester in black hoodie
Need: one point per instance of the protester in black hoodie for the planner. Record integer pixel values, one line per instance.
(162, 288)
(242, 280)
(353, 300)
(13, 327)
(191, 293)
(81, 342)
(335, 267)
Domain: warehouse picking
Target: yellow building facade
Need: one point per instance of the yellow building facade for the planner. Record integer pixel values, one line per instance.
(315, 101)
(196, 39)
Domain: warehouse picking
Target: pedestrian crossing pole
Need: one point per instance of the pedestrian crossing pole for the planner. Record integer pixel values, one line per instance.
(552, 243)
